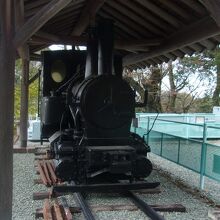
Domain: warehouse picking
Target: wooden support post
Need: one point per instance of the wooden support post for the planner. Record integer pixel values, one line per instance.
(7, 65)
(24, 54)
(24, 102)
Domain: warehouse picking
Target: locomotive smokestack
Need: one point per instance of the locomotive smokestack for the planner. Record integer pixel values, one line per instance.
(105, 47)
(118, 68)
(92, 54)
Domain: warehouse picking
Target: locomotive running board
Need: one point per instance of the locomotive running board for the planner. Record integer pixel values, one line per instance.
(112, 187)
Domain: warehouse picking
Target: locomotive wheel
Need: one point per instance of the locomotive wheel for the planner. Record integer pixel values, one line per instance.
(143, 167)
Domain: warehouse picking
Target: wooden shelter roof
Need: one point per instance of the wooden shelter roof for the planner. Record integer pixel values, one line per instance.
(146, 31)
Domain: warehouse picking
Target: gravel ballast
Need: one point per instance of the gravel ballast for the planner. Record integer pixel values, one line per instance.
(24, 206)
(188, 177)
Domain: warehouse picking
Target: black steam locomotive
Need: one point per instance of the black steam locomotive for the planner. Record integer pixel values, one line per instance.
(87, 110)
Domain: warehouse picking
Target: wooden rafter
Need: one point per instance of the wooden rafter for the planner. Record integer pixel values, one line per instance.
(35, 4)
(153, 19)
(214, 9)
(38, 20)
(131, 15)
(87, 16)
(133, 28)
(160, 12)
(203, 29)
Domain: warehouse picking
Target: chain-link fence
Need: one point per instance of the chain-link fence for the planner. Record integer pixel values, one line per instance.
(195, 146)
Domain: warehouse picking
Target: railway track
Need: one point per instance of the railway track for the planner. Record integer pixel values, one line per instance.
(59, 208)
(56, 206)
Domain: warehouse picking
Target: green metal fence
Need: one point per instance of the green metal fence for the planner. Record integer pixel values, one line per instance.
(171, 140)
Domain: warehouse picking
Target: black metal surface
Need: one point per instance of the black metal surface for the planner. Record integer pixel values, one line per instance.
(144, 207)
(72, 60)
(118, 67)
(114, 187)
(107, 106)
(92, 54)
(84, 206)
(105, 48)
(38, 94)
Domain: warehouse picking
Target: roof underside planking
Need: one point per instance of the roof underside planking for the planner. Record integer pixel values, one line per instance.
(147, 32)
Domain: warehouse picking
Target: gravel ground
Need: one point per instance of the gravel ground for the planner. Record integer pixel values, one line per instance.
(187, 177)
(23, 187)
(24, 206)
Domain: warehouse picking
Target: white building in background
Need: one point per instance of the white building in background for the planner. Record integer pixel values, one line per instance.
(34, 130)
(216, 110)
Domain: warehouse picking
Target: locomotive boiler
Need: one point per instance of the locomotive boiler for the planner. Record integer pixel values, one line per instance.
(87, 110)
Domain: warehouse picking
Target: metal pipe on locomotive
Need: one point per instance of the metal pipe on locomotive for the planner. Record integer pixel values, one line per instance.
(87, 113)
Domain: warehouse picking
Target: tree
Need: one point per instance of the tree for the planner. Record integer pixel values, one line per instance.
(188, 74)
(146, 79)
(203, 104)
(216, 61)
(33, 89)
(17, 91)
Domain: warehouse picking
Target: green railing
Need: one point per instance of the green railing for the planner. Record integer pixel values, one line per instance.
(186, 144)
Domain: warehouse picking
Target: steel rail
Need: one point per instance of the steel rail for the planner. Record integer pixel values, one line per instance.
(144, 207)
(113, 187)
(122, 188)
(84, 206)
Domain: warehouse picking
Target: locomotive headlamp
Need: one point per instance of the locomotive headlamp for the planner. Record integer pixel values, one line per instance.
(58, 71)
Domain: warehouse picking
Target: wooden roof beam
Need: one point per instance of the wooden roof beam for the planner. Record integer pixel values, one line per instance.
(137, 43)
(35, 57)
(195, 6)
(164, 58)
(187, 50)
(170, 56)
(179, 53)
(208, 44)
(203, 29)
(35, 4)
(87, 16)
(123, 44)
(136, 49)
(213, 7)
(150, 17)
(139, 20)
(217, 38)
(130, 30)
(38, 20)
(180, 11)
(197, 47)
(160, 12)
(48, 38)
(66, 40)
